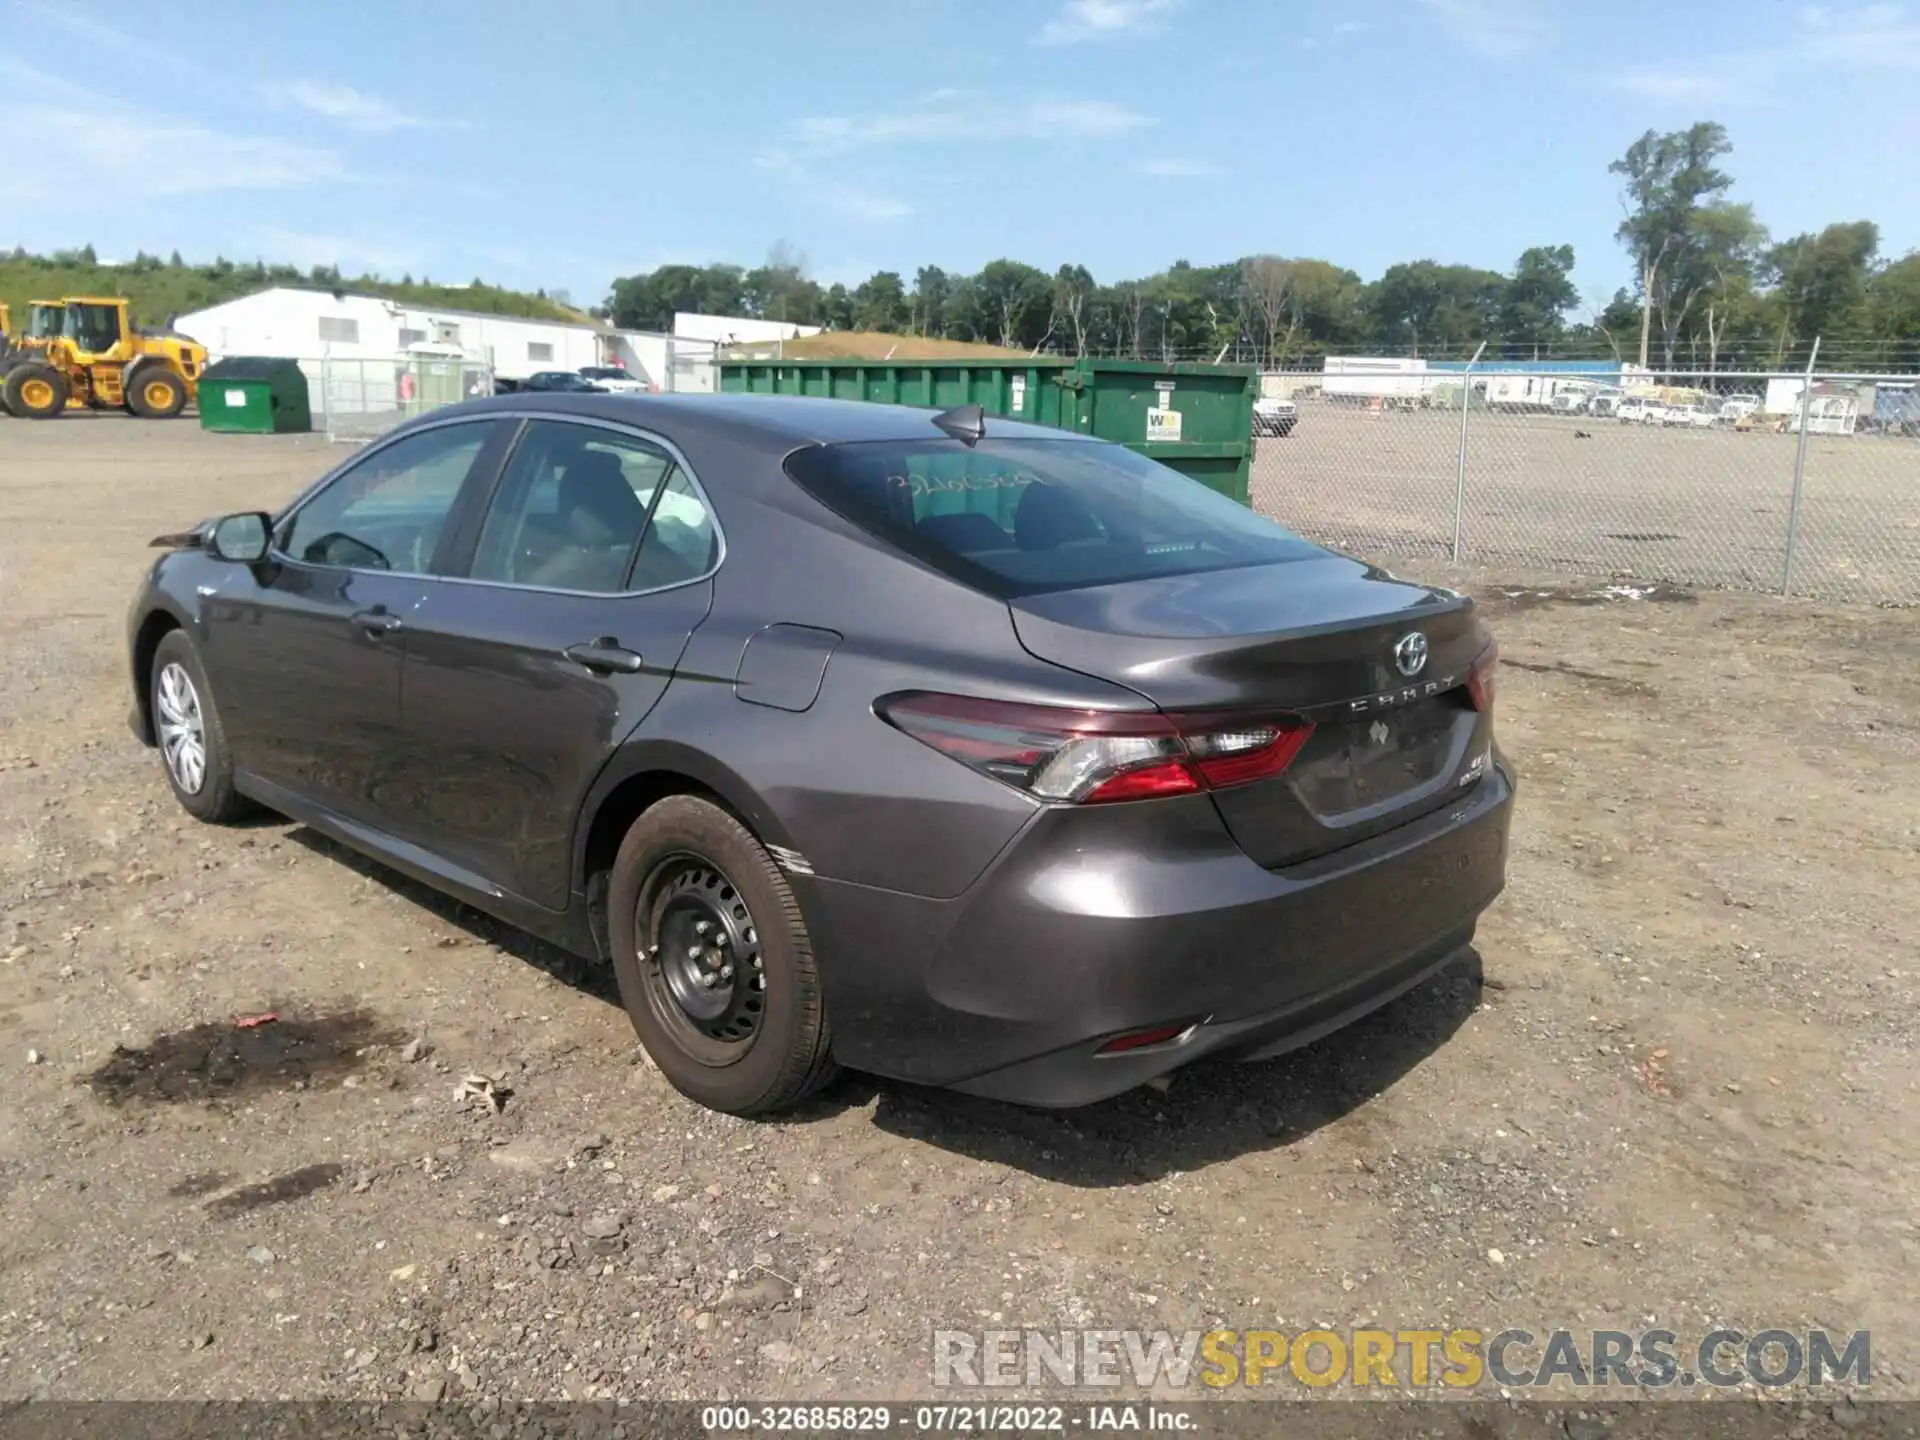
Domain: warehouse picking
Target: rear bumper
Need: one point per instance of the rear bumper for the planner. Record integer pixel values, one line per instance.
(1100, 922)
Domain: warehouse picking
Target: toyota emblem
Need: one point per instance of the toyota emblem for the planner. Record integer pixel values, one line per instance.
(1410, 653)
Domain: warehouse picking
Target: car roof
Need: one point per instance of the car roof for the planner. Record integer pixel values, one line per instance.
(771, 422)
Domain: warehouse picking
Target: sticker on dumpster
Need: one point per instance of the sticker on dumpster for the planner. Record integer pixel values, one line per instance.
(1163, 424)
(1165, 387)
(1018, 387)
(236, 399)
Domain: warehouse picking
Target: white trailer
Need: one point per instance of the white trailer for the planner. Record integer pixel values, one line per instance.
(1376, 377)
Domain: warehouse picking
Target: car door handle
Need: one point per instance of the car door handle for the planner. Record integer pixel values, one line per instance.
(605, 654)
(377, 621)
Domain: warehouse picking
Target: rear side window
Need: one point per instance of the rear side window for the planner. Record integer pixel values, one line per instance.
(1022, 517)
(570, 509)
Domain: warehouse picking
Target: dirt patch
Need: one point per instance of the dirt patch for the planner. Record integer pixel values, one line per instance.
(220, 1060)
(1504, 599)
(307, 1180)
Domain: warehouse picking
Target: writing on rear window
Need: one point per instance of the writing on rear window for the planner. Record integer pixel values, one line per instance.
(936, 484)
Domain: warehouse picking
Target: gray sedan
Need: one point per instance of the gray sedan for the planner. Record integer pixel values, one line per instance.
(948, 748)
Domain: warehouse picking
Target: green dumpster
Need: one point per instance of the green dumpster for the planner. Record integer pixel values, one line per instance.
(1197, 419)
(254, 395)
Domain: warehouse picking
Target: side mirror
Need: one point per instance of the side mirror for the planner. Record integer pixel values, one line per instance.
(242, 538)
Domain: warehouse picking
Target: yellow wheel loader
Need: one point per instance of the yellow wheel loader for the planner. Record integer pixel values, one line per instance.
(82, 353)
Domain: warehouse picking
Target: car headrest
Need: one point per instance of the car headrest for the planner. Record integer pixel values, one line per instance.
(963, 533)
(1048, 516)
(595, 496)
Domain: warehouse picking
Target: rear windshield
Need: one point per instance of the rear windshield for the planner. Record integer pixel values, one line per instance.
(1022, 517)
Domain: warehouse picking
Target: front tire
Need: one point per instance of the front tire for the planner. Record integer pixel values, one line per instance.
(715, 966)
(156, 394)
(187, 729)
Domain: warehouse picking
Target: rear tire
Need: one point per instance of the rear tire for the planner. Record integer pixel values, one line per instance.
(34, 391)
(156, 393)
(714, 963)
(190, 737)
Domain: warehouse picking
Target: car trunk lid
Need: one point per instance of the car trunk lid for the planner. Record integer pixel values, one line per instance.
(1324, 640)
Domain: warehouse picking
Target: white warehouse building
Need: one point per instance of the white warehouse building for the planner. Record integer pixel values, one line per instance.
(313, 326)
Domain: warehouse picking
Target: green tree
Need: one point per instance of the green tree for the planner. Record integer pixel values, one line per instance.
(1013, 299)
(1440, 307)
(1266, 289)
(836, 308)
(927, 308)
(1073, 292)
(1893, 301)
(1535, 300)
(1821, 283)
(880, 303)
(1671, 182)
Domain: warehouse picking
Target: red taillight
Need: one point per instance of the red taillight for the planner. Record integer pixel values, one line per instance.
(1090, 757)
(1480, 678)
(1140, 1039)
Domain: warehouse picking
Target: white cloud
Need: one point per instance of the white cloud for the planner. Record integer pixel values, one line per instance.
(122, 152)
(1175, 167)
(1831, 42)
(963, 117)
(1496, 29)
(1081, 20)
(1680, 86)
(1352, 27)
(345, 105)
(854, 201)
(940, 117)
(297, 247)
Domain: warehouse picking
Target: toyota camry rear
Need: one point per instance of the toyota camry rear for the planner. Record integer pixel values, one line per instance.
(1255, 782)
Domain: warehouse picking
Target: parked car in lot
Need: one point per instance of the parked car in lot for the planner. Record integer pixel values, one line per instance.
(615, 379)
(1274, 416)
(973, 753)
(562, 382)
(1632, 410)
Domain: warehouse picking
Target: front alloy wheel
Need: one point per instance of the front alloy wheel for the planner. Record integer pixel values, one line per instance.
(186, 727)
(182, 731)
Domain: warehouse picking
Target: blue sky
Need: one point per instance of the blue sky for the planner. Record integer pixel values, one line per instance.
(561, 146)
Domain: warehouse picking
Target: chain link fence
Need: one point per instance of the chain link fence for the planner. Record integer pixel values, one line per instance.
(355, 400)
(1794, 483)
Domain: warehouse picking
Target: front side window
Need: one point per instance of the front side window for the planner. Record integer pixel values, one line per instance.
(571, 508)
(1022, 517)
(388, 512)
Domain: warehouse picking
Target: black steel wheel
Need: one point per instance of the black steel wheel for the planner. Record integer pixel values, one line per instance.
(715, 966)
(702, 965)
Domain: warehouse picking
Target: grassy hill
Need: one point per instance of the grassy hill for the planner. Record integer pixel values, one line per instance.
(161, 289)
(871, 345)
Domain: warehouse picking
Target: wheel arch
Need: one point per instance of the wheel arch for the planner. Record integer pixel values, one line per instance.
(158, 624)
(638, 776)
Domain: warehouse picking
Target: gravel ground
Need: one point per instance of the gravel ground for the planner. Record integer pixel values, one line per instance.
(1573, 493)
(1675, 1084)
